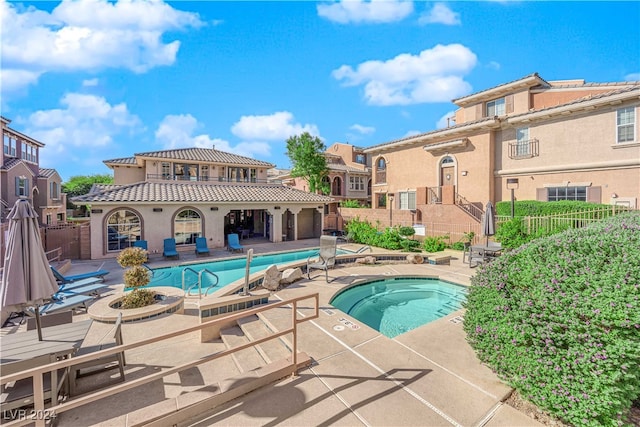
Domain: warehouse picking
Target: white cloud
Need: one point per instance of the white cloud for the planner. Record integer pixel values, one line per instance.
(493, 65)
(359, 11)
(440, 14)
(274, 127)
(88, 35)
(446, 120)
(90, 82)
(179, 131)
(434, 75)
(83, 128)
(364, 130)
(632, 77)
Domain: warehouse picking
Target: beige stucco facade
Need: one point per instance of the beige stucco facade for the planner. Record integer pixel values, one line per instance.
(555, 138)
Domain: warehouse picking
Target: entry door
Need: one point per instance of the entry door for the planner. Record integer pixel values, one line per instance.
(447, 177)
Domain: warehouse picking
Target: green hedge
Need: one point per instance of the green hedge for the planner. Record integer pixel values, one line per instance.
(559, 320)
(537, 208)
(363, 232)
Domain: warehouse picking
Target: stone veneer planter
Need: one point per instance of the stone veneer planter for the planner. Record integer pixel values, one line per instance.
(173, 302)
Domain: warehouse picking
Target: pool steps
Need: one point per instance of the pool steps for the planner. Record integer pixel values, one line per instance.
(249, 329)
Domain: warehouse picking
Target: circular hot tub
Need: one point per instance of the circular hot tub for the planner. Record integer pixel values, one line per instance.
(168, 300)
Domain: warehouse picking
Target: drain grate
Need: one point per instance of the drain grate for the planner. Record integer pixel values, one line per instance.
(457, 319)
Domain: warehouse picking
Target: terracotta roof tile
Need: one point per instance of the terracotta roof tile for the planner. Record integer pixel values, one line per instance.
(205, 155)
(196, 193)
(123, 161)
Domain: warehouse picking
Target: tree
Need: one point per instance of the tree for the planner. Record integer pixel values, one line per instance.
(81, 184)
(306, 153)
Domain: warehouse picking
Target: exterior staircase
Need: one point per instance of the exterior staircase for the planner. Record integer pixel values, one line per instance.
(472, 210)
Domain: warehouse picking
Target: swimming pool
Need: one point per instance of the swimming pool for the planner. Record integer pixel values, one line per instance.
(397, 305)
(228, 271)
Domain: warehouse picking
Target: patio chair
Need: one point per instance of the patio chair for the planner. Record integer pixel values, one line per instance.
(233, 244)
(73, 278)
(141, 244)
(478, 255)
(170, 250)
(201, 246)
(20, 393)
(93, 290)
(102, 364)
(61, 303)
(326, 256)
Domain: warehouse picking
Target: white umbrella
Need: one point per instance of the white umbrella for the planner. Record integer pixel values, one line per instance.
(489, 222)
(27, 279)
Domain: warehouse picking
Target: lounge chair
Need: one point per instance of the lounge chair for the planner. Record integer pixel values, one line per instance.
(82, 282)
(61, 303)
(326, 256)
(201, 246)
(140, 244)
(73, 278)
(92, 290)
(233, 244)
(170, 250)
(102, 364)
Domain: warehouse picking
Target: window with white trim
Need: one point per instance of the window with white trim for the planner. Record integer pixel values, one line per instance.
(555, 194)
(166, 170)
(187, 225)
(626, 124)
(361, 158)
(522, 142)
(407, 200)
(496, 108)
(10, 145)
(356, 183)
(22, 187)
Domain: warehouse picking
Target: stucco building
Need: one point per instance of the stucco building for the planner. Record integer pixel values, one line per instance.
(196, 192)
(546, 140)
(22, 177)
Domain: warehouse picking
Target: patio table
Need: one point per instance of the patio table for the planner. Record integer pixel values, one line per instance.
(23, 350)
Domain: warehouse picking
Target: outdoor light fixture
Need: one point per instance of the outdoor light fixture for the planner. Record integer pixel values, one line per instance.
(390, 195)
(512, 184)
(157, 209)
(464, 173)
(96, 211)
(214, 208)
(276, 207)
(614, 196)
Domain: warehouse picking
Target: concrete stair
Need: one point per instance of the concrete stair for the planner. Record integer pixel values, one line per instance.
(250, 329)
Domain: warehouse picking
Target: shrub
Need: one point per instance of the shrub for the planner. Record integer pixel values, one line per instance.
(559, 320)
(363, 232)
(350, 204)
(538, 208)
(135, 277)
(434, 244)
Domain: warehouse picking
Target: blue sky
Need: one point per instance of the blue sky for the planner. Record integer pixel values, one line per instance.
(96, 80)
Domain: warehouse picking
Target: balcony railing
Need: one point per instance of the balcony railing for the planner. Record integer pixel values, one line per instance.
(523, 149)
(210, 179)
(434, 195)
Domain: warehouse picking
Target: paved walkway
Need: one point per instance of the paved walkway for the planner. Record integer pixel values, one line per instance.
(428, 377)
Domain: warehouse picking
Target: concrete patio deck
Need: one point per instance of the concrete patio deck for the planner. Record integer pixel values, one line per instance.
(426, 377)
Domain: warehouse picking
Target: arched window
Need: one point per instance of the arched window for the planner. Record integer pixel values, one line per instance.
(123, 227)
(336, 188)
(187, 225)
(381, 171)
(446, 160)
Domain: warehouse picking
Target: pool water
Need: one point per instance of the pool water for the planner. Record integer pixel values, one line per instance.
(397, 305)
(228, 271)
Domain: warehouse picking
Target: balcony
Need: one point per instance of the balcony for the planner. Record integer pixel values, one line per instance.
(523, 149)
(210, 179)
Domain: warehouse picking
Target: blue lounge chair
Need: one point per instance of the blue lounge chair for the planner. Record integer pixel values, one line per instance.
(201, 246)
(74, 278)
(92, 290)
(140, 244)
(59, 303)
(170, 248)
(233, 243)
(82, 282)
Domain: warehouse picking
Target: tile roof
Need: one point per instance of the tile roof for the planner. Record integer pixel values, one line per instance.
(432, 132)
(502, 84)
(122, 161)
(47, 172)
(346, 168)
(630, 88)
(161, 192)
(205, 155)
(13, 161)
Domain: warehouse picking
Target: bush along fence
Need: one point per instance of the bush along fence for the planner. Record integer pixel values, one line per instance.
(559, 320)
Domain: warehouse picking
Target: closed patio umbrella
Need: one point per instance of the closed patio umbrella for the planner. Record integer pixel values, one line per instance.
(27, 279)
(489, 222)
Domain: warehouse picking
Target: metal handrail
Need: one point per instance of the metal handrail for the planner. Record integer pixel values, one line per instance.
(206, 291)
(184, 270)
(469, 207)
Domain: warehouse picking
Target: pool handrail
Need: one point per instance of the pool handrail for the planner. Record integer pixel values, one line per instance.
(184, 271)
(206, 291)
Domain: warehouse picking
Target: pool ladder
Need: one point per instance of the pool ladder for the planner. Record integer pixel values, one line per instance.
(199, 282)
